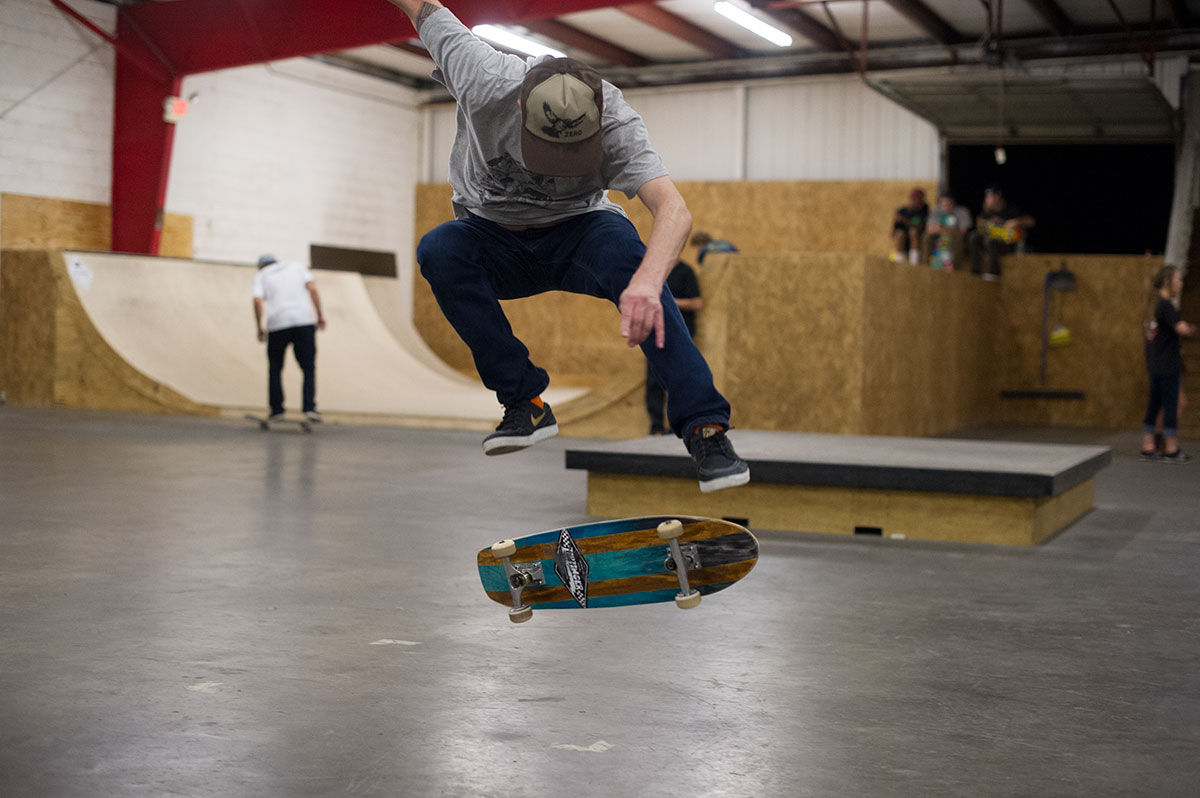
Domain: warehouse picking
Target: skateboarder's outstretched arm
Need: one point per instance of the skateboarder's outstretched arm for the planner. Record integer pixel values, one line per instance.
(415, 9)
(641, 310)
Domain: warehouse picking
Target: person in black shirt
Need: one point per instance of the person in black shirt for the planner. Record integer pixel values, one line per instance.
(1165, 363)
(998, 229)
(685, 288)
(908, 227)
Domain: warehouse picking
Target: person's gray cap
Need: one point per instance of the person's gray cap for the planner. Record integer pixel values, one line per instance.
(265, 260)
(562, 105)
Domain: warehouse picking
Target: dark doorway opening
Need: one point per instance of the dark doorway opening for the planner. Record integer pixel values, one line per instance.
(1092, 198)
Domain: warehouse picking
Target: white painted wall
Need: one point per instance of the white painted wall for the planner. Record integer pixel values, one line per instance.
(56, 101)
(825, 128)
(273, 157)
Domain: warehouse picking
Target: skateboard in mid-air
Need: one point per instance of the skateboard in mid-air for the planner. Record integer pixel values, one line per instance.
(265, 423)
(617, 563)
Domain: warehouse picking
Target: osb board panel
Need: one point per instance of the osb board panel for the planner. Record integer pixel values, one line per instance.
(616, 409)
(799, 508)
(27, 328)
(74, 366)
(927, 344)
(1057, 513)
(1106, 356)
(28, 222)
(783, 334)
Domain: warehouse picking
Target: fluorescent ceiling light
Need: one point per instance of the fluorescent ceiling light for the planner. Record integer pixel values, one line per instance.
(512, 41)
(752, 23)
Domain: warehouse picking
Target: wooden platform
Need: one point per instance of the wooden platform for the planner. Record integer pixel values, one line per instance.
(922, 488)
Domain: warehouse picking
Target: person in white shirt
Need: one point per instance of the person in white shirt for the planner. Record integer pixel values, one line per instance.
(293, 316)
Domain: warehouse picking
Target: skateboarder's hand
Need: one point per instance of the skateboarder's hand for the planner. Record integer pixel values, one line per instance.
(642, 313)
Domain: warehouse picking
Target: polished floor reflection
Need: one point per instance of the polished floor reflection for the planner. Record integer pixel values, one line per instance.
(193, 607)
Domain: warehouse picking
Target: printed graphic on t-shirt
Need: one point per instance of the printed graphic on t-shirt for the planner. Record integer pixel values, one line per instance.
(507, 179)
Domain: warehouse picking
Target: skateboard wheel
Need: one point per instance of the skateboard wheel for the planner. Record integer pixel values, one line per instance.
(688, 602)
(669, 530)
(503, 548)
(523, 614)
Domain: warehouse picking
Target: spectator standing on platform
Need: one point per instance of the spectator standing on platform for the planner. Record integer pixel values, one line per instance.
(1165, 363)
(293, 316)
(948, 227)
(707, 244)
(685, 288)
(999, 228)
(539, 142)
(908, 227)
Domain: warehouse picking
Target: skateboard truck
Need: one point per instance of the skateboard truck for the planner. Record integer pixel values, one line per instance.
(519, 577)
(685, 556)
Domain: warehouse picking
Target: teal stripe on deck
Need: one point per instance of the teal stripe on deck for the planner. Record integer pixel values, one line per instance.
(602, 566)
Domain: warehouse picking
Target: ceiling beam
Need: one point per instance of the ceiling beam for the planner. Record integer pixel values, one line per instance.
(574, 37)
(1053, 15)
(927, 20)
(680, 28)
(802, 23)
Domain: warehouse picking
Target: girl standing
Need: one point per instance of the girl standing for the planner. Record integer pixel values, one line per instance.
(1166, 367)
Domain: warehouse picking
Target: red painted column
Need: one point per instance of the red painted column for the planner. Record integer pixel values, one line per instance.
(141, 146)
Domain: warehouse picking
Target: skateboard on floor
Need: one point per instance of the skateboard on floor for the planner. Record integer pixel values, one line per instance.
(265, 424)
(616, 564)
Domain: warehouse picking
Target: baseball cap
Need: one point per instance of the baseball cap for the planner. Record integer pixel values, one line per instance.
(562, 101)
(265, 260)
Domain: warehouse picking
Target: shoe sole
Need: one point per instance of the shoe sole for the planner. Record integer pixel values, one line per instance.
(730, 481)
(513, 443)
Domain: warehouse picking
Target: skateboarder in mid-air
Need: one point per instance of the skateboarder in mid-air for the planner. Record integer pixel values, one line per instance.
(539, 143)
(291, 297)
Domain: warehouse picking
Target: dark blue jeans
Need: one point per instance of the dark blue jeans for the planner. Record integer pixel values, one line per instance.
(472, 263)
(1164, 396)
(303, 341)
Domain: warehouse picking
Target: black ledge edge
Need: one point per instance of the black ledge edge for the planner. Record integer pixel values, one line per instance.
(944, 480)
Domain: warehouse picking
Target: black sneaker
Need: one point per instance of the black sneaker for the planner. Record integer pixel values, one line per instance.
(717, 464)
(1177, 457)
(1150, 455)
(524, 424)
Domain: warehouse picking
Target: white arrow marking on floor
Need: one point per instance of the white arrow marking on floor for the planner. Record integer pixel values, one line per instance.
(598, 747)
(389, 642)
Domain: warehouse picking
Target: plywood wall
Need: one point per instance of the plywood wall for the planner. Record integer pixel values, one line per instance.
(833, 342)
(927, 341)
(55, 355)
(784, 336)
(28, 222)
(1106, 356)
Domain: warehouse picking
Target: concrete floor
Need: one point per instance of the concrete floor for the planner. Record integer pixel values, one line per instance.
(193, 607)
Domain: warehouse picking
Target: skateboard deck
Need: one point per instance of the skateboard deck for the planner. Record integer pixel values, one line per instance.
(617, 563)
(265, 424)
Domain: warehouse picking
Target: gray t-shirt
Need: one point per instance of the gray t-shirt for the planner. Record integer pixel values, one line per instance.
(486, 171)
